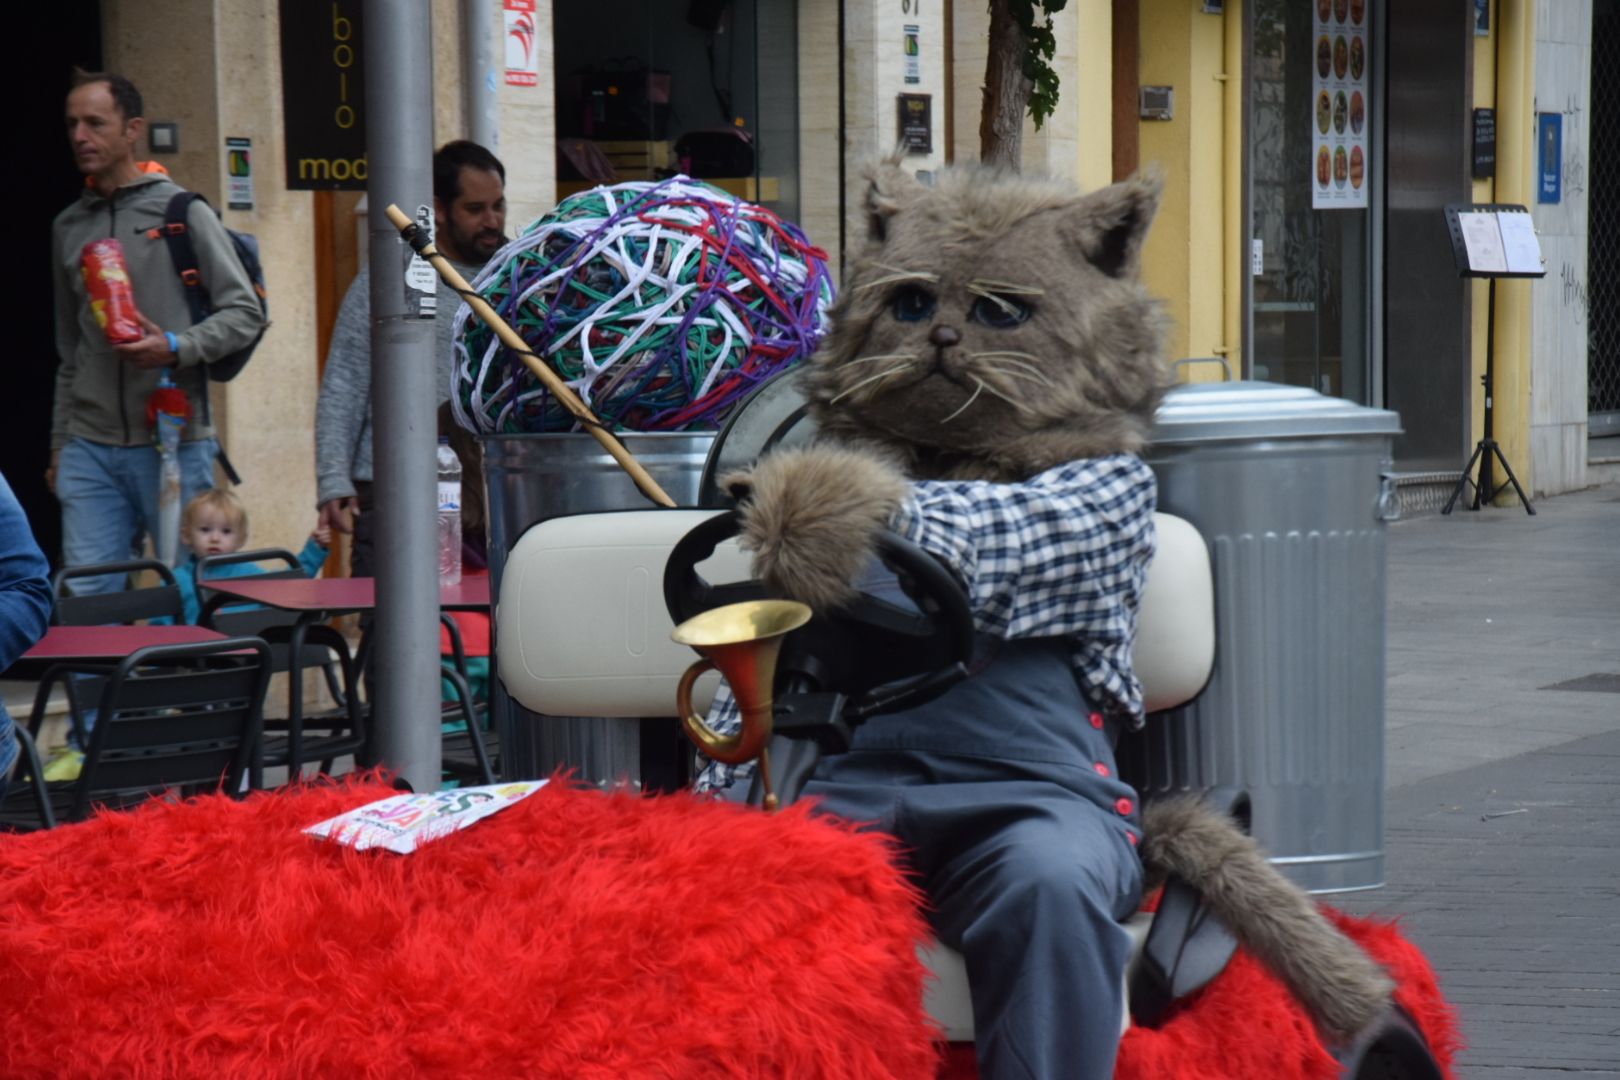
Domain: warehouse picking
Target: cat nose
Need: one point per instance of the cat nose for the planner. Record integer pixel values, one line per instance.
(943, 336)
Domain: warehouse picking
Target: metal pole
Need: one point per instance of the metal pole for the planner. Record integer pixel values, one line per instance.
(478, 33)
(399, 149)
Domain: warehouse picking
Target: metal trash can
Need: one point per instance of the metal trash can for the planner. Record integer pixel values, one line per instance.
(1290, 490)
(530, 478)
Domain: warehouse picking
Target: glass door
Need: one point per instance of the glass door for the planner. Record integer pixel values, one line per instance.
(1310, 185)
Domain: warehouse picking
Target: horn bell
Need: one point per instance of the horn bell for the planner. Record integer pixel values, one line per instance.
(742, 642)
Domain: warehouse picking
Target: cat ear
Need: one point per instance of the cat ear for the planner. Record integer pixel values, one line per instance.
(888, 188)
(1111, 224)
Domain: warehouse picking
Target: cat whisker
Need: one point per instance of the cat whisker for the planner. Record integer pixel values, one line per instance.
(964, 406)
(1027, 376)
(926, 275)
(902, 275)
(1007, 354)
(897, 369)
(1019, 405)
(880, 356)
(1011, 361)
(1007, 287)
(1003, 304)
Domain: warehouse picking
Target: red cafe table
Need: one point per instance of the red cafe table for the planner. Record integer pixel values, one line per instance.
(315, 600)
(70, 645)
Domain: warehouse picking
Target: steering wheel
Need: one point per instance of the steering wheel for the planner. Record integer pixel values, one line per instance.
(883, 655)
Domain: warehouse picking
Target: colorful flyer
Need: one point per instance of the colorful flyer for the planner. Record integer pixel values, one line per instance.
(403, 823)
(1342, 104)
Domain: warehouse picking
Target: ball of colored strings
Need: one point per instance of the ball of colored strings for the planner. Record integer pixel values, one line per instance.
(661, 304)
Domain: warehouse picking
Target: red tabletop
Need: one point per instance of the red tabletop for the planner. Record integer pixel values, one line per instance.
(98, 643)
(341, 595)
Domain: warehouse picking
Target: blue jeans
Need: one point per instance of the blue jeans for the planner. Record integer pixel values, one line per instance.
(109, 497)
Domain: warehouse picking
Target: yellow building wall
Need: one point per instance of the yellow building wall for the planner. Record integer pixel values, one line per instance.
(1515, 22)
(1184, 262)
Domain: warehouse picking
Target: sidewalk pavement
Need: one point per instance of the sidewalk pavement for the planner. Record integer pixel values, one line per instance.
(1502, 819)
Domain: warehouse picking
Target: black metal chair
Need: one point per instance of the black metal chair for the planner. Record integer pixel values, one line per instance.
(31, 771)
(171, 719)
(469, 755)
(325, 735)
(472, 754)
(129, 605)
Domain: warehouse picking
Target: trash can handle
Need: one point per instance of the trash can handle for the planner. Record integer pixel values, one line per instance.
(1389, 498)
(1226, 368)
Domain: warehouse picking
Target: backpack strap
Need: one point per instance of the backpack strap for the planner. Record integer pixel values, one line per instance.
(184, 255)
(177, 234)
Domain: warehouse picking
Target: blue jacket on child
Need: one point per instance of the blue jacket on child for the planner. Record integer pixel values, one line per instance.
(310, 560)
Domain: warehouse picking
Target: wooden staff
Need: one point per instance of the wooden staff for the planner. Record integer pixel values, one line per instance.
(552, 381)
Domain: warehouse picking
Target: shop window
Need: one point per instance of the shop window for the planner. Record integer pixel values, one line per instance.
(649, 88)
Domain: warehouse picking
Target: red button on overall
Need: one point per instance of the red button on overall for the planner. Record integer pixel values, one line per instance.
(1097, 720)
(1102, 770)
(1131, 837)
(1124, 806)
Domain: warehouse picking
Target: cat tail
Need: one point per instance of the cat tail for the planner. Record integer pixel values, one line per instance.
(811, 518)
(1340, 986)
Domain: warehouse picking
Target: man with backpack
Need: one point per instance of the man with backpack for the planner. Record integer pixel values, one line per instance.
(105, 467)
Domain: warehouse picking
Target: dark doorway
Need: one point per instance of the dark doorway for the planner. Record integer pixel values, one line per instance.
(1426, 305)
(40, 184)
(1603, 229)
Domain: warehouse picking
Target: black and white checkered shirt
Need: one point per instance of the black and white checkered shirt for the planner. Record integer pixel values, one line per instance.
(1064, 554)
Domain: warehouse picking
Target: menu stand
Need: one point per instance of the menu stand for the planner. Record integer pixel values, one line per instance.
(1491, 240)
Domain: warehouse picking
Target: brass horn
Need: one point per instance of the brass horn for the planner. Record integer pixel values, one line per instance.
(741, 641)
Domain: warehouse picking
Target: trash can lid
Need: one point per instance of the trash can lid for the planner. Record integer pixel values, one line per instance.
(1205, 412)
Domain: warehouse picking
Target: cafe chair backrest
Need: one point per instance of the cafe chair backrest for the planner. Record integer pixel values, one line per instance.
(175, 717)
(239, 618)
(128, 605)
(180, 719)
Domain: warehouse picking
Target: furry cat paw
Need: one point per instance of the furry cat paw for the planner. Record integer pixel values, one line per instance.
(811, 516)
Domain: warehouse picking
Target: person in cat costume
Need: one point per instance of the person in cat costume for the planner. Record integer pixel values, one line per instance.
(993, 370)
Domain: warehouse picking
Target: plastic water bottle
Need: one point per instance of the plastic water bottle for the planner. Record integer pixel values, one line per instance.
(449, 514)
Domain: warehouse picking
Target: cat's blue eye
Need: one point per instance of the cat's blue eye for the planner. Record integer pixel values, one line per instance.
(1001, 312)
(912, 303)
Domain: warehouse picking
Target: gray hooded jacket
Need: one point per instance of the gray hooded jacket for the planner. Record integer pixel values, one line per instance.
(343, 409)
(100, 396)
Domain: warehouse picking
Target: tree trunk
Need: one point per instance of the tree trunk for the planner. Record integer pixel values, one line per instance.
(1006, 90)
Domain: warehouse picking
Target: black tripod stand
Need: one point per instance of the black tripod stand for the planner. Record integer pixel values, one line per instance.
(1486, 488)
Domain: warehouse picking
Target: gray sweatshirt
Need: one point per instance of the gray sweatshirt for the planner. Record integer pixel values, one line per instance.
(343, 410)
(99, 395)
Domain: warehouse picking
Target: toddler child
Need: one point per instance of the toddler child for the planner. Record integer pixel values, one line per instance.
(216, 523)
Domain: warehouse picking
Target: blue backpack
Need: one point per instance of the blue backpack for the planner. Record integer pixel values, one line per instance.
(174, 230)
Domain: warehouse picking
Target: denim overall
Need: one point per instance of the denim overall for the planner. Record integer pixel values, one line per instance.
(1004, 794)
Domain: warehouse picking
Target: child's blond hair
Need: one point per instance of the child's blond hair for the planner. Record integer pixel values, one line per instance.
(224, 502)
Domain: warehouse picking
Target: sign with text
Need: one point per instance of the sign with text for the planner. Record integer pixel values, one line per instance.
(917, 123)
(522, 44)
(1494, 240)
(1549, 157)
(1484, 144)
(323, 88)
(239, 173)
